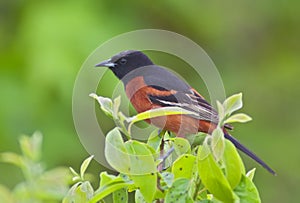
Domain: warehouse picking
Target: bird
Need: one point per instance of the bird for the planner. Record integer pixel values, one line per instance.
(150, 86)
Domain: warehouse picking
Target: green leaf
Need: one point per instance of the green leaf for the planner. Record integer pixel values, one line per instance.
(250, 174)
(12, 158)
(80, 192)
(239, 117)
(138, 197)
(110, 184)
(181, 146)
(120, 196)
(5, 195)
(205, 149)
(31, 146)
(221, 111)
(72, 195)
(106, 104)
(155, 140)
(116, 105)
(84, 166)
(233, 103)
(167, 178)
(183, 167)
(152, 113)
(218, 143)
(76, 176)
(247, 191)
(53, 183)
(141, 160)
(146, 184)
(179, 192)
(116, 153)
(234, 167)
(213, 178)
(87, 188)
(106, 179)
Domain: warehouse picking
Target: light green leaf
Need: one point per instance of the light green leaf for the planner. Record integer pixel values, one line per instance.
(213, 178)
(152, 113)
(233, 103)
(155, 140)
(167, 178)
(31, 146)
(250, 174)
(141, 160)
(76, 176)
(87, 188)
(179, 192)
(5, 195)
(234, 167)
(205, 149)
(218, 143)
(116, 153)
(239, 117)
(80, 192)
(120, 196)
(12, 158)
(138, 197)
(105, 104)
(116, 106)
(247, 191)
(106, 179)
(53, 183)
(183, 167)
(181, 146)
(221, 111)
(72, 195)
(110, 184)
(84, 166)
(146, 184)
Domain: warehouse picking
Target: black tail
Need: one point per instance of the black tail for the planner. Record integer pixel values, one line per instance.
(241, 147)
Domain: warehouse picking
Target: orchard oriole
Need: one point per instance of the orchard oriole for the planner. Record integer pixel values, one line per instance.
(149, 86)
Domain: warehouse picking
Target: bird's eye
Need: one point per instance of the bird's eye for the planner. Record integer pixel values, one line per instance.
(123, 61)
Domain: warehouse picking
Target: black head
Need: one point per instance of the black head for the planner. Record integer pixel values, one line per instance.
(126, 61)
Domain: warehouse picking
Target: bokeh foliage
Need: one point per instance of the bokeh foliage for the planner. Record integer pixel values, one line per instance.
(254, 44)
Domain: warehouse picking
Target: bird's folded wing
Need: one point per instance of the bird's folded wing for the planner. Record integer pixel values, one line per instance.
(188, 101)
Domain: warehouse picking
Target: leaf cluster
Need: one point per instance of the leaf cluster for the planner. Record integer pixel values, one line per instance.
(168, 168)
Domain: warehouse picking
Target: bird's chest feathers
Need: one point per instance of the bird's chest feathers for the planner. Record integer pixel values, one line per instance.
(136, 91)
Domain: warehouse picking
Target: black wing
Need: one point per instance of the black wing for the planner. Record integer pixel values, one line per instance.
(166, 81)
(189, 102)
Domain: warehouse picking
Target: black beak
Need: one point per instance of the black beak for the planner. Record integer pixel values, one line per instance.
(106, 63)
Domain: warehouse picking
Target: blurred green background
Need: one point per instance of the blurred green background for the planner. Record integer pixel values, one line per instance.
(255, 45)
